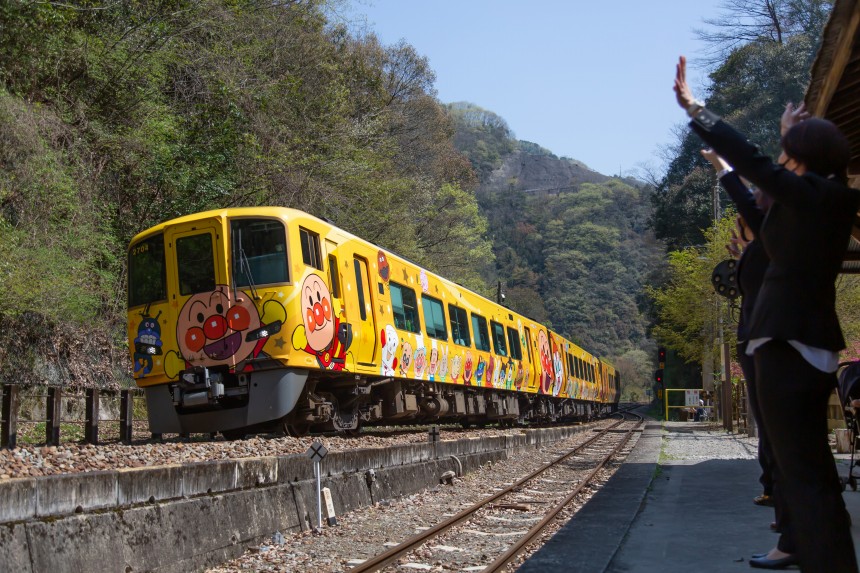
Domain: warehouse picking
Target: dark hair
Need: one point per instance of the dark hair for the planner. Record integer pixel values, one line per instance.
(820, 146)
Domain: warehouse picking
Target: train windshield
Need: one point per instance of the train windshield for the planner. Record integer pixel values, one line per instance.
(196, 264)
(147, 278)
(259, 252)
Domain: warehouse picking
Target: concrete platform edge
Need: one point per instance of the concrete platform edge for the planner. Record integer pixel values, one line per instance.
(187, 518)
(588, 542)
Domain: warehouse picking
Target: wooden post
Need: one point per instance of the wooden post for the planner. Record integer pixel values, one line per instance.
(728, 419)
(126, 415)
(91, 427)
(9, 425)
(53, 407)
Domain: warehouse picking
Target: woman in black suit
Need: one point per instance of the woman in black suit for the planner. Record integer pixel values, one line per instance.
(794, 333)
(752, 264)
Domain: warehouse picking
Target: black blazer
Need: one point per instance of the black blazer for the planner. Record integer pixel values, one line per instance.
(805, 233)
(754, 260)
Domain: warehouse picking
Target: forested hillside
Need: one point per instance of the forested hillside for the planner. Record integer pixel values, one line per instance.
(573, 247)
(755, 69)
(115, 116)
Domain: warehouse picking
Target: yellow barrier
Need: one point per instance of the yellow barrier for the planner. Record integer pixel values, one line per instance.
(688, 395)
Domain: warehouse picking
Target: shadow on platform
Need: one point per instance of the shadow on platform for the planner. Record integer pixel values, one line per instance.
(678, 517)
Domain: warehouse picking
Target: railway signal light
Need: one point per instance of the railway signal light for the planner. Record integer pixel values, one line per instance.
(658, 376)
(661, 356)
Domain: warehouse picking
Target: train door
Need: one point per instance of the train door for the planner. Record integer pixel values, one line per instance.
(360, 302)
(200, 298)
(534, 375)
(334, 277)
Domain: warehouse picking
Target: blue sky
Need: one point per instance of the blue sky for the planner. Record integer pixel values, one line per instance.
(591, 80)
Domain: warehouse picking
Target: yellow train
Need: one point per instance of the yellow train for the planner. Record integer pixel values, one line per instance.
(258, 319)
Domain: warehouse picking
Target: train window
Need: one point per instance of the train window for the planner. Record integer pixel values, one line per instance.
(310, 248)
(434, 318)
(333, 277)
(194, 257)
(499, 339)
(259, 252)
(147, 277)
(459, 326)
(359, 283)
(528, 343)
(482, 336)
(514, 342)
(405, 307)
(570, 362)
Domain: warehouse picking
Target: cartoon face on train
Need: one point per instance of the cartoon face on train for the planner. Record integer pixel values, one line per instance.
(547, 373)
(384, 267)
(388, 338)
(481, 368)
(317, 312)
(467, 368)
(558, 368)
(443, 364)
(420, 361)
(324, 334)
(456, 365)
(434, 362)
(405, 358)
(213, 328)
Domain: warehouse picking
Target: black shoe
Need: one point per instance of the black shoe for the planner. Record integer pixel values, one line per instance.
(765, 563)
(764, 499)
(759, 555)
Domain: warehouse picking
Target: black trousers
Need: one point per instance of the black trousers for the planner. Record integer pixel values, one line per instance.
(793, 397)
(769, 479)
(765, 455)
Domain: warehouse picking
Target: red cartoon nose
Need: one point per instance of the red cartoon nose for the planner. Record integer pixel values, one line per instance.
(215, 327)
(319, 314)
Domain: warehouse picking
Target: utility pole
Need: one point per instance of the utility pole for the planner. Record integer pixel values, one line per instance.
(725, 351)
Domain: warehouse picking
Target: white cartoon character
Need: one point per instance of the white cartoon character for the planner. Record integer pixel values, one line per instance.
(443, 363)
(388, 338)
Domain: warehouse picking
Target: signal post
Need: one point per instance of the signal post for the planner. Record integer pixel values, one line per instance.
(659, 383)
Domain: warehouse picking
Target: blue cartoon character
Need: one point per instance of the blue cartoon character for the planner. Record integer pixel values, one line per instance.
(147, 344)
(479, 371)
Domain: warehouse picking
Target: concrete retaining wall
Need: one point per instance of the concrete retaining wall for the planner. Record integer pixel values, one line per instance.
(189, 517)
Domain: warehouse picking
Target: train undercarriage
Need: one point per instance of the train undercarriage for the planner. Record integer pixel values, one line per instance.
(299, 401)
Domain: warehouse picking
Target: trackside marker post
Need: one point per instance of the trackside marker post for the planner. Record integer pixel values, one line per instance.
(330, 517)
(433, 434)
(316, 453)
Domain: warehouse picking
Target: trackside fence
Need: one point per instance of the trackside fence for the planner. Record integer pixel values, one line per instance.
(50, 400)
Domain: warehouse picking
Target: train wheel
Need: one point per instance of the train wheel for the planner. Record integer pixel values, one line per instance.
(232, 435)
(298, 430)
(354, 431)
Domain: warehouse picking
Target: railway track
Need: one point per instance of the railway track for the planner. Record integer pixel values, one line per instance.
(492, 533)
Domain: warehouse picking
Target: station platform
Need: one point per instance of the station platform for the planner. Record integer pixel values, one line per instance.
(672, 515)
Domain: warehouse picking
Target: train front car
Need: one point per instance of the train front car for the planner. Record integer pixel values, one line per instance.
(208, 326)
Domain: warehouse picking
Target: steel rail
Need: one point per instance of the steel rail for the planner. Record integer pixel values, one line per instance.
(532, 533)
(387, 557)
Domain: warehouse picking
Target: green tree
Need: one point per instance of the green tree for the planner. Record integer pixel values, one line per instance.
(765, 52)
(689, 310)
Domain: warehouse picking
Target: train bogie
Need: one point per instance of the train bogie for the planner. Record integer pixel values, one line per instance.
(268, 317)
